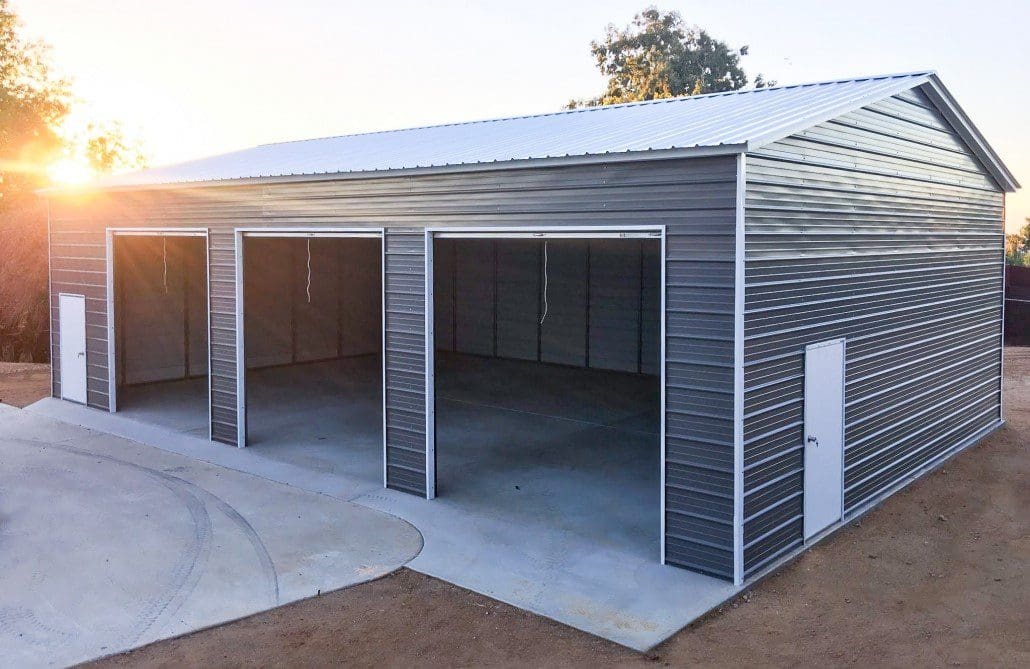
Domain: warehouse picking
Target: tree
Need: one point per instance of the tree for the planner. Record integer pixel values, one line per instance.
(1017, 246)
(658, 56)
(33, 105)
(107, 149)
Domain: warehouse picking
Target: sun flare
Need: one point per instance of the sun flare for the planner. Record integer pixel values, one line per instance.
(69, 172)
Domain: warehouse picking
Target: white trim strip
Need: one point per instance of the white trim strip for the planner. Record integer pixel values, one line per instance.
(159, 232)
(663, 363)
(430, 353)
(382, 328)
(241, 353)
(112, 354)
(740, 248)
(50, 296)
(549, 235)
(207, 322)
(571, 231)
(309, 235)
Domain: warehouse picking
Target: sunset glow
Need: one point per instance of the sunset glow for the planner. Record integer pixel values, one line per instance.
(70, 172)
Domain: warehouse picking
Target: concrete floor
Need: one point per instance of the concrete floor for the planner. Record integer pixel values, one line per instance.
(322, 417)
(107, 544)
(548, 478)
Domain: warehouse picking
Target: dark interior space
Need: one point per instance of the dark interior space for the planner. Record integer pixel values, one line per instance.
(547, 382)
(312, 324)
(161, 330)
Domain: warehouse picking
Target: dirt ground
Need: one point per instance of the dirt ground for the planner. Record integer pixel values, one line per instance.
(935, 576)
(22, 383)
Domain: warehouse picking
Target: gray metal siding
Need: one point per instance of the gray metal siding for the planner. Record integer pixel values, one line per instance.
(693, 198)
(78, 266)
(222, 282)
(405, 360)
(880, 227)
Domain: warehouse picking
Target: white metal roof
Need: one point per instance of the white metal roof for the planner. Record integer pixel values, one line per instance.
(719, 122)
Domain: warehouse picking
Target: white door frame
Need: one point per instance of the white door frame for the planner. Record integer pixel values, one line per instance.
(537, 232)
(112, 356)
(241, 354)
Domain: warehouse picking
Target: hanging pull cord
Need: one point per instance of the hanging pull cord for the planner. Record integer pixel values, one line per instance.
(308, 287)
(164, 259)
(544, 316)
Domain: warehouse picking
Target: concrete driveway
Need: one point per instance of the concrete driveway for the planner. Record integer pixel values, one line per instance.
(106, 544)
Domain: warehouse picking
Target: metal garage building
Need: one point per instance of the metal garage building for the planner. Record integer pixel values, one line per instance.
(766, 309)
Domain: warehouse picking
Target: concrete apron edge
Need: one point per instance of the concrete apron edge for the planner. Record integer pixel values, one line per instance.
(203, 450)
(413, 566)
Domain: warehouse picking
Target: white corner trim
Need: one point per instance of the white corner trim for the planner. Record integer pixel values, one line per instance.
(738, 374)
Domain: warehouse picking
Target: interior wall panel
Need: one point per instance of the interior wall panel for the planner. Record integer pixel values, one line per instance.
(473, 298)
(195, 260)
(161, 295)
(605, 305)
(269, 274)
(518, 299)
(359, 288)
(316, 299)
(615, 307)
(563, 334)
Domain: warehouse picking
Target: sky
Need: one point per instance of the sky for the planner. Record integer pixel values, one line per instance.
(194, 78)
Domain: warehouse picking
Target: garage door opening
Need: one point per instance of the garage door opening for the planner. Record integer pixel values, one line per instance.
(312, 317)
(547, 385)
(161, 329)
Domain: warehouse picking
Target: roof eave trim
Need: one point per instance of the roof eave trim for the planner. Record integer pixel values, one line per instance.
(947, 105)
(526, 163)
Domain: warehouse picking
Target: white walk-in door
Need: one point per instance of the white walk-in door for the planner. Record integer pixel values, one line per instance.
(824, 435)
(73, 347)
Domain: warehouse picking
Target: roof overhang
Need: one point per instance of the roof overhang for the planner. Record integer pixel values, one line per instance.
(950, 109)
(563, 161)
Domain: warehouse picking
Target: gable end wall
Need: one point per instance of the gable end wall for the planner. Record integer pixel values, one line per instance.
(881, 227)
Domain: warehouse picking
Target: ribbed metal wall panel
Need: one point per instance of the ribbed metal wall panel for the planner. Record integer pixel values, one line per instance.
(881, 227)
(222, 283)
(693, 198)
(405, 325)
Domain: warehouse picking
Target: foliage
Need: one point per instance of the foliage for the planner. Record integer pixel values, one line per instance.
(1017, 246)
(658, 56)
(34, 103)
(108, 150)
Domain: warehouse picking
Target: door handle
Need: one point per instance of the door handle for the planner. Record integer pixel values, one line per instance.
(812, 440)
(82, 354)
